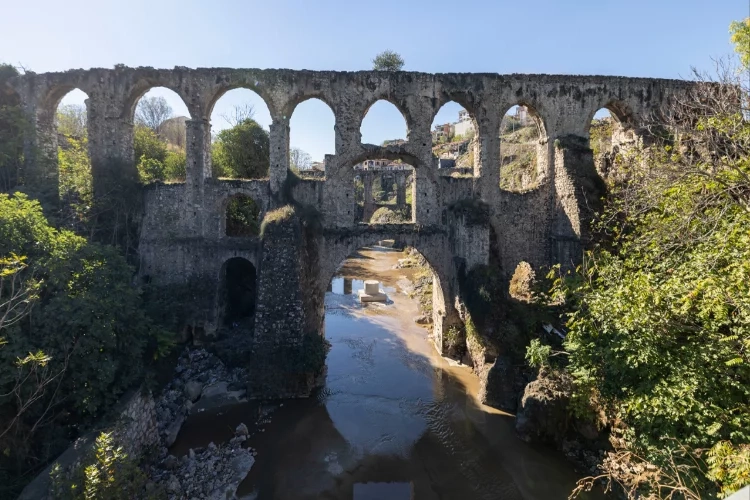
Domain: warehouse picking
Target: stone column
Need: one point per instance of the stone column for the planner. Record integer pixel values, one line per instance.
(400, 190)
(198, 153)
(578, 193)
(110, 149)
(279, 159)
(40, 166)
(425, 193)
(487, 160)
(367, 206)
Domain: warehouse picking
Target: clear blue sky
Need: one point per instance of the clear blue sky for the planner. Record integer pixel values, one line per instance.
(653, 38)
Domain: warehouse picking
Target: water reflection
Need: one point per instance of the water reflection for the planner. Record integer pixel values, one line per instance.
(393, 420)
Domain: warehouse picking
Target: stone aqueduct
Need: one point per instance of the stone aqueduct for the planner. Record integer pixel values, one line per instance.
(182, 233)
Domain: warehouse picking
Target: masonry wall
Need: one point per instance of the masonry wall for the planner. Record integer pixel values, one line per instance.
(183, 237)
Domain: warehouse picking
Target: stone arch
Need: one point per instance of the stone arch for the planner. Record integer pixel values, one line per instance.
(297, 99)
(408, 122)
(237, 292)
(474, 144)
(343, 248)
(242, 166)
(223, 89)
(141, 87)
(624, 117)
(533, 175)
(294, 127)
(610, 135)
(47, 136)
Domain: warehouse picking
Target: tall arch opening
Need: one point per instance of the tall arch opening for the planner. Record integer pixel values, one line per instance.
(406, 280)
(241, 217)
(75, 181)
(383, 191)
(523, 159)
(160, 136)
(238, 292)
(609, 131)
(240, 138)
(312, 136)
(454, 140)
(383, 124)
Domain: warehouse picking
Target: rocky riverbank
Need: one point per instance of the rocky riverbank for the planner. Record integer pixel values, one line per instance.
(201, 382)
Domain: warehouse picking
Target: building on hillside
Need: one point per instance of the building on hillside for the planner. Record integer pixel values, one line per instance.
(318, 165)
(382, 165)
(522, 114)
(465, 125)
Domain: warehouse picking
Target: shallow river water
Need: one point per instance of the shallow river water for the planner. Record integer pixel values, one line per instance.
(394, 420)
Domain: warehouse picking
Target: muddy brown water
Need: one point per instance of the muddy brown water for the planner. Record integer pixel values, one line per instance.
(393, 421)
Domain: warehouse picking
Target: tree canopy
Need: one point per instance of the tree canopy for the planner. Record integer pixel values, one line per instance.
(242, 152)
(388, 60)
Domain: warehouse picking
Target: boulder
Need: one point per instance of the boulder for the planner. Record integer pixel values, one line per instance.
(193, 390)
(497, 386)
(543, 415)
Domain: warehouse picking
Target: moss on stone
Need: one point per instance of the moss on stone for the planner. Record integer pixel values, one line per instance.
(276, 217)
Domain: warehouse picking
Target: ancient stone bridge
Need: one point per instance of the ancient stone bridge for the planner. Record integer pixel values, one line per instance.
(183, 238)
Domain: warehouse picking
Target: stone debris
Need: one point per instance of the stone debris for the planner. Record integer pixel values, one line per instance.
(199, 376)
(214, 472)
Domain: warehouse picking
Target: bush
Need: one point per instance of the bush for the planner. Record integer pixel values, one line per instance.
(86, 330)
(109, 474)
(385, 215)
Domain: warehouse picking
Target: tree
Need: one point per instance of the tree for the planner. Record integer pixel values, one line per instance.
(152, 112)
(239, 114)
(299, 159)
(242, 152)
(71, 120)
(740, 31)
(388, 60)
(659, 312)
(83, 345)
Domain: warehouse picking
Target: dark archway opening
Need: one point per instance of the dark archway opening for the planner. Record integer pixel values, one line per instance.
(239, 290)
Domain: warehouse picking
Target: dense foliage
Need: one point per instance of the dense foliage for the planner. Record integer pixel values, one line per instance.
(388, 60)
(157, 160)
(659, 312)
(242, 152)
(74, 341)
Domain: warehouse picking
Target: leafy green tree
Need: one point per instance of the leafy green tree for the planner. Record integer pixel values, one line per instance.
(740, 31)
(242, 152)
(175, 165)
(71, 121)
(388, 60)
(76, 183)
(85, 337)
(146, 143)
(659, 321)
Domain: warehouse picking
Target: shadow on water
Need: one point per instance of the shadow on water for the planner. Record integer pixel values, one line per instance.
(393, 421)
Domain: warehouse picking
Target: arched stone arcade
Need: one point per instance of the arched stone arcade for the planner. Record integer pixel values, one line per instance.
(183, 233)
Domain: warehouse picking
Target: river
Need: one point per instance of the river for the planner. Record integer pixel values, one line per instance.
(394, 421)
